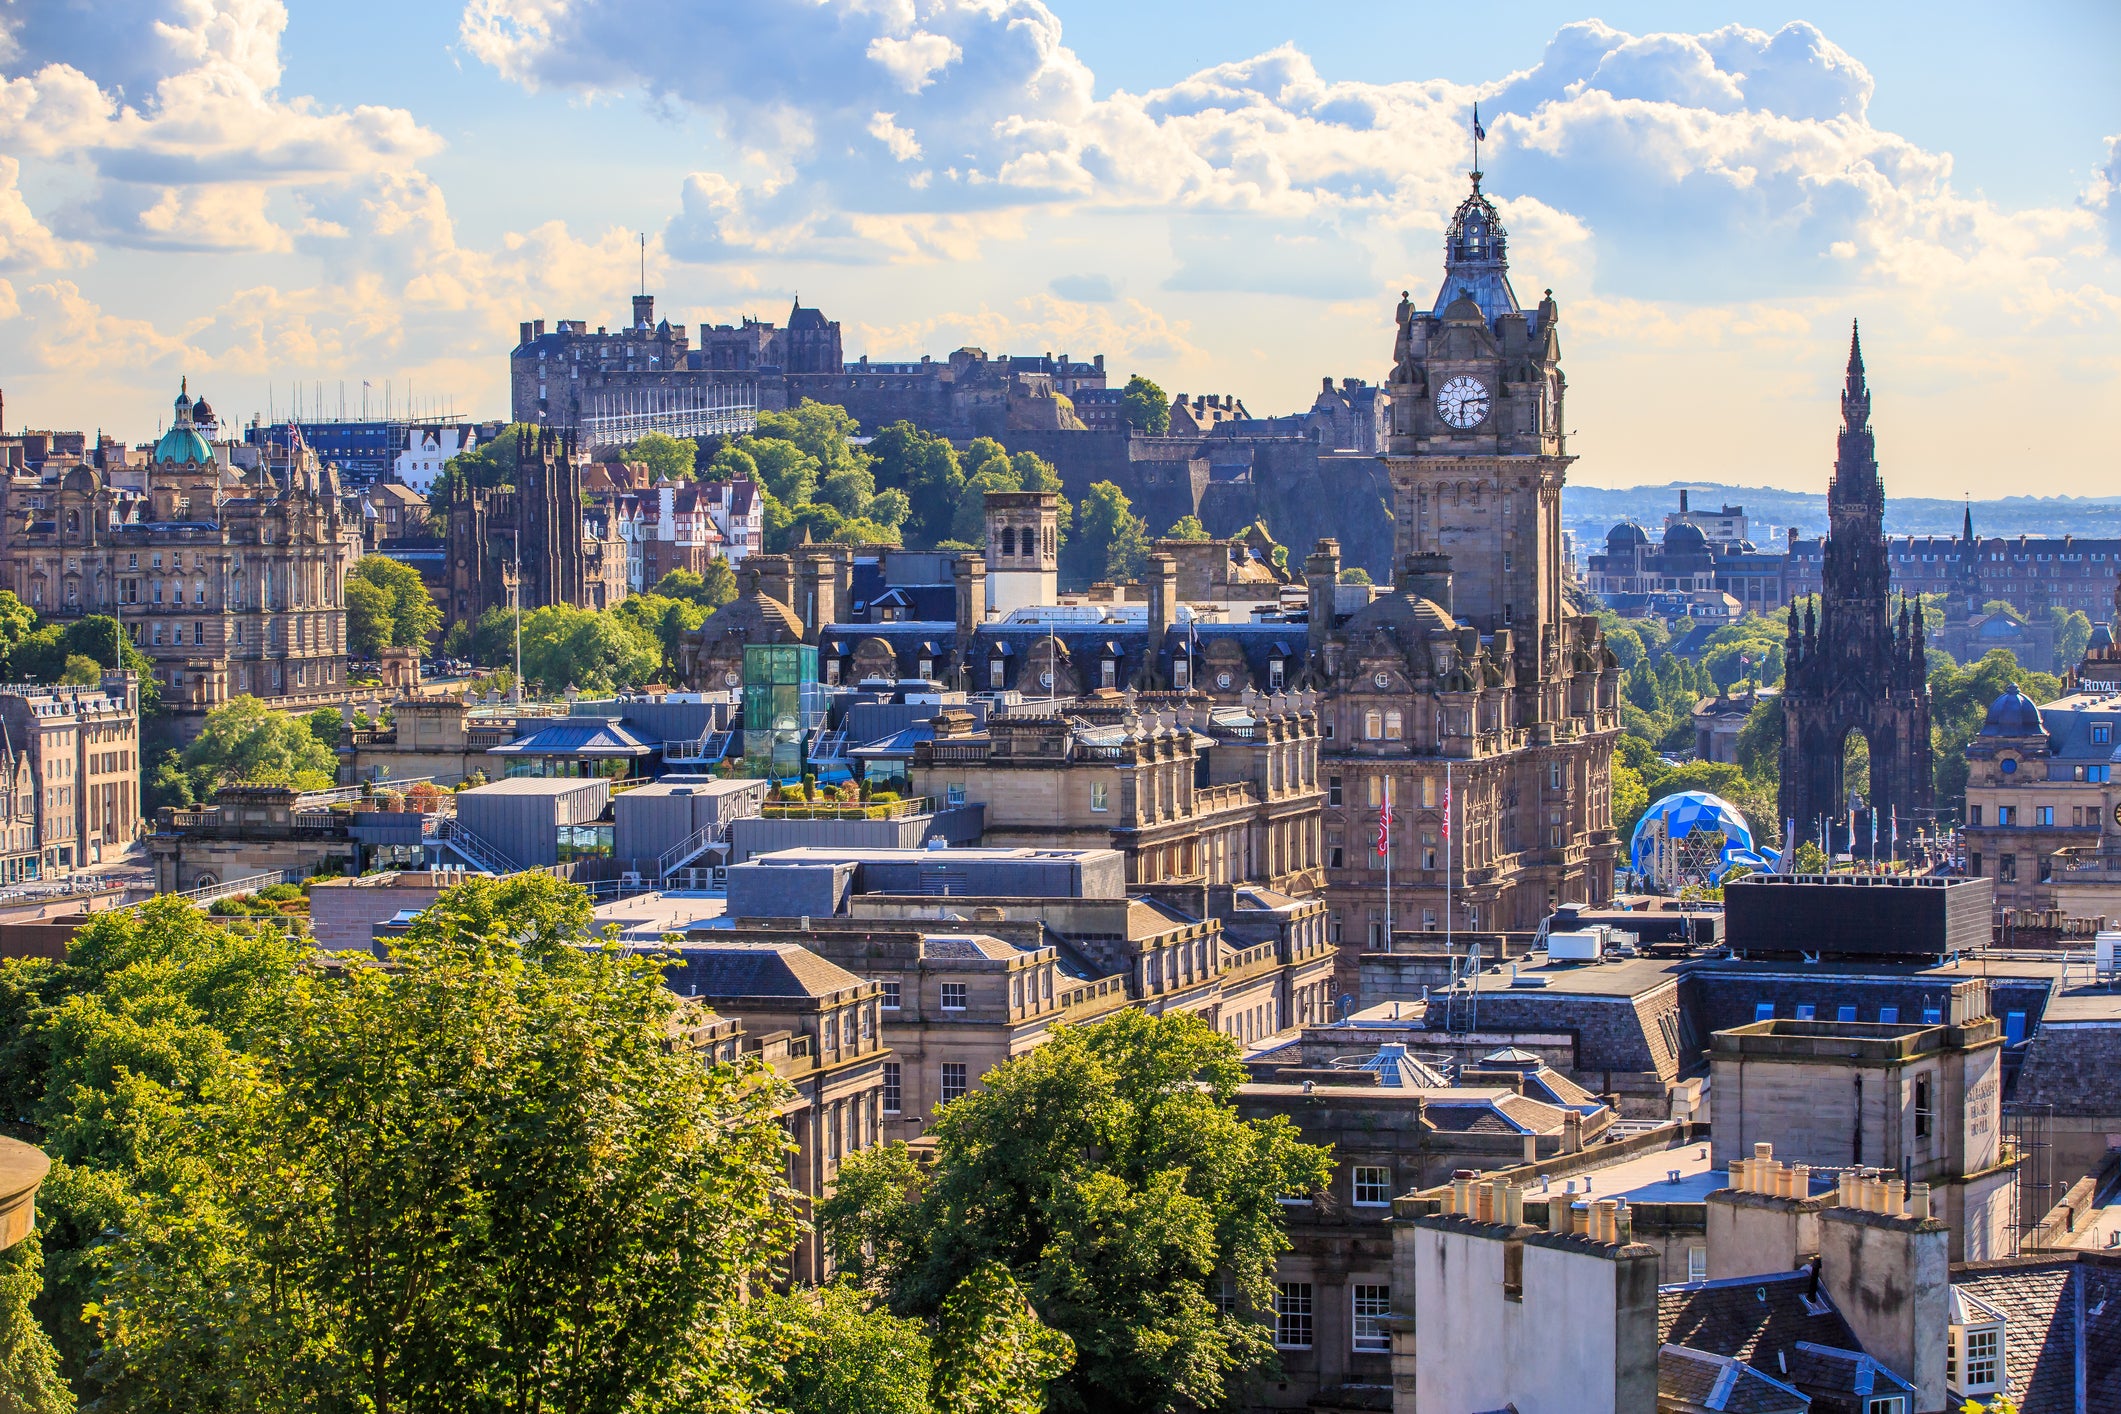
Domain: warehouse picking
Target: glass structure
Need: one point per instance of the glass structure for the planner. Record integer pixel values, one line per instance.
(783, 706)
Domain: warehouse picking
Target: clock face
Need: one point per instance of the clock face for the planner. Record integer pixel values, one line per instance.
(1222, 679)
(1382, 680)
(1462, 402)
(1045, 679)
(732, 677)
(2117, 815)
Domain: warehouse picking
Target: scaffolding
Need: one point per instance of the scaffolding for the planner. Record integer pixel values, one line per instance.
(621, 418)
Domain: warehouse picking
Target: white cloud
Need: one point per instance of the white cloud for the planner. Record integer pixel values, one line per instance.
(181, 126)
(899, 142)
(913, 62)
(25, 244)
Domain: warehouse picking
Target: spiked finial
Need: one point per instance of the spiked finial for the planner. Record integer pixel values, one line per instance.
(1855, 393)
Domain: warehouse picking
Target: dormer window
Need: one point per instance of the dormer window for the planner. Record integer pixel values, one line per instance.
(1974, 1349)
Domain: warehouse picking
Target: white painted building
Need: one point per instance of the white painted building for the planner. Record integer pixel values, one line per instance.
(428, 450)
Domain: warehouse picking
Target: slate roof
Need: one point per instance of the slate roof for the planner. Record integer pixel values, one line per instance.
(2040, 1300)
(1694, 1379)
(966, 947)
(732, 970)
(591, 737)
(1844, 1375)
(1753, 1319)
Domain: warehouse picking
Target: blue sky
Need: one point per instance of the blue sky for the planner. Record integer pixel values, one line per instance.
(1227, 197)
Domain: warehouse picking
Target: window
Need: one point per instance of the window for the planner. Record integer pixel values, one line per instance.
(832, 1033)
(1394, 730)
(868, 1023)
(1332, 790)
(1225, 1295)
(1373, 1185)
(955, 793)
(1182, 674)
(1373, 1304)
(1973, 1359)
(1973, 814)
(1844, 1013)
(1274, 675)
(1973, 864)
(1553, 775)
(1697, 1264)
(953, 996)
(2102, 733)
(1335, 856)
(1763, 1011)
(891, 1087)
(2007, 868)
(995, 669)
(891, 996)
(2003, 814)
(1885, 1404)
(2013, 1027)
(1806, 1011)
(953, 1078)
(1925, 1117)
(1377, 791)
(1292, 1315)
(1110, 673)
(1888, 1015)
(2043, 815)
(1100, 796)
(1373, 726)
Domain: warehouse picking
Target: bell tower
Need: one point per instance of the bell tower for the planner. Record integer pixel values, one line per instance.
(1477, 454)
(1023, 550)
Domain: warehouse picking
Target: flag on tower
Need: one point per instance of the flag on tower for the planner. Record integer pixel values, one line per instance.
(1478, 131)
(1384, 831)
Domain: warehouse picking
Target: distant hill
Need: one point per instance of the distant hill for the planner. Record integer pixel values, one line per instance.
(1591, 511)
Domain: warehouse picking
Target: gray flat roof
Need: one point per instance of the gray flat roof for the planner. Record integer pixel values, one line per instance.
(827, 854)
(538, 785)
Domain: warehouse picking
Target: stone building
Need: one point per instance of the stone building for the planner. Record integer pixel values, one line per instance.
(1849, 668)
(70, 772)
(2039, 779)
(249, 830)
(818, 1026)
(532, 537)
(1194, 798)
(230, 583)
(1472, 659)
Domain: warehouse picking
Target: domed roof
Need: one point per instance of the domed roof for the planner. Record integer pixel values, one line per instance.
(1686, 812)
(1625, 536)
(182, 443)
(202, 414)
(1685, 539)
(2013, 714)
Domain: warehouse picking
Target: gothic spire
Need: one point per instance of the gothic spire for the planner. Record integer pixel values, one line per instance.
(1968, 537)
(1855, 393)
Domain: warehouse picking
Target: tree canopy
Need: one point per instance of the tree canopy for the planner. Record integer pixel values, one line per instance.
(245, 742)
(1108, 1173)
(477, 1178)
(1187, 527)
(400, 614)
(1111, 542)
(1146, 407)
(665, 456)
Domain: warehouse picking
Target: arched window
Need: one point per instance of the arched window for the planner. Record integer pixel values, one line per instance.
(1008, 540)
(1373, 725)
(1394, 731)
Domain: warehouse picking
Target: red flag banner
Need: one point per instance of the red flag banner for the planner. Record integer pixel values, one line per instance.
(1384, 832)
(1447, 807)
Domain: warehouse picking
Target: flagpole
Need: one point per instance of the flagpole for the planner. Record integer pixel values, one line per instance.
(1447, 857)
(1384, 841)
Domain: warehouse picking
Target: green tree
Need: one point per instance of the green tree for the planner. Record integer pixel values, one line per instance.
(867, 1222)
(1190, 528)
(2073, 634)
(710, 590)
(926, 470)
(1109, 1172)
(844, 1356)
(1355, 574)
(477, 1178)
(81, 671)
(824, 432)
(666, 620)
(17, 622)
(413, 617)
(30, 1382)
(596, 652)
(1111, 542)
(1630, 797)
(245, 742)
(732, 463)
(784, 468)
(1959, 703)
(368, 618)
(327, 725)
(665, 456)
(992, 1353)
(1146, 407)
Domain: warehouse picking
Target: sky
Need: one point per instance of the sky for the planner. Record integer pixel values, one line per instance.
(1225, 197)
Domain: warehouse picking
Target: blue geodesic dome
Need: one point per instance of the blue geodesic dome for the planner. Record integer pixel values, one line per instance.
(1686, 812)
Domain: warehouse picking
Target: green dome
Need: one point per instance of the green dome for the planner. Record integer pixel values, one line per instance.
(183, 444)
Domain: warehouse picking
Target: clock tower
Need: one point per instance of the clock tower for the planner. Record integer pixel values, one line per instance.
(1477, 455)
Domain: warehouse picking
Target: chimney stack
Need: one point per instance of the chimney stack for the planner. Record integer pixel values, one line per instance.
(1162, 582)
(1322, 575)
(1427, 575)
(970, 575)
